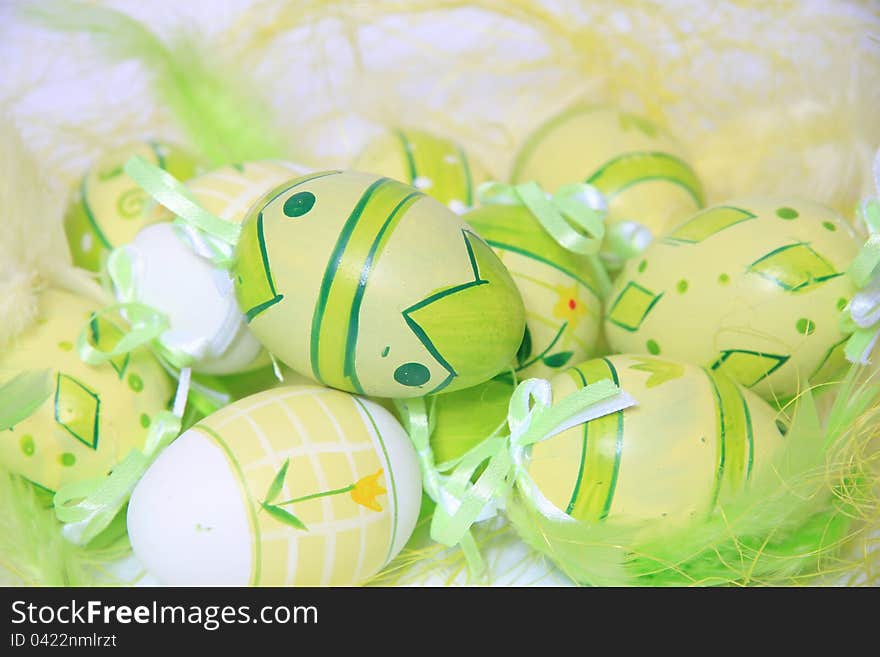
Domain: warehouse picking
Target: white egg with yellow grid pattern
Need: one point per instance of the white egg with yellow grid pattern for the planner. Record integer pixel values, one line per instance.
(295, 486)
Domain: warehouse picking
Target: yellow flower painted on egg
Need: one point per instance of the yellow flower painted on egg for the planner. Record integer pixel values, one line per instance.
(569, 306)
(366, 490)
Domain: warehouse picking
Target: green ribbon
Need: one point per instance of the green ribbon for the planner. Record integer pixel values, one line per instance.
(208, 235)
(461, 501)
(574, 216)
(863, 312)
(572, 209)
(22, 395)
(145, 324)
(86, 508)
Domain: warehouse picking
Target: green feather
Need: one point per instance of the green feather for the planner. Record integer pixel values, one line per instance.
(790, 525)
(218, 108)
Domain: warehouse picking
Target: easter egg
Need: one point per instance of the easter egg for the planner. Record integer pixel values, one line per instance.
(367, 285)
(108, 209)
(558, 288)
(753, 288)
(436, 166)
(641, 169)
(196, 296)
(694, 438)
(197, 299)
(94, 415)
(299, 485)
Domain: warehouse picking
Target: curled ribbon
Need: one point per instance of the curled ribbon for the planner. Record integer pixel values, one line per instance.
(461, 503)
(572, 207)
(145, 324)
(208, 235)
(863, 319)
(86, 508)
(574, 216)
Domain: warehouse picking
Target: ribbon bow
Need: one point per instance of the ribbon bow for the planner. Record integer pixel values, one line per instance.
(864, 308)
(461, 503)
(86, 508)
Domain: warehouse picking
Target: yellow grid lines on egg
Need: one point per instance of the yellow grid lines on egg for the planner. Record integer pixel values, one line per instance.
(330, 458)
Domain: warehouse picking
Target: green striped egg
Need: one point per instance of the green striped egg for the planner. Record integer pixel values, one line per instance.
(436, 166)
(108, 209)
(694, 439)
(558, 287)
(753, 288)
(640, 168)
(367, 285)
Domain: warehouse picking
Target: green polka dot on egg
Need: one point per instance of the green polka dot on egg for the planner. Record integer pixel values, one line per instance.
(643, 265)
(412, 374)
(805, 326)
(135, 382)
(67, 459)
(682, 286)
(27, 445)
(787, 213)
(145, 420)
(653, 347)
(724, 279)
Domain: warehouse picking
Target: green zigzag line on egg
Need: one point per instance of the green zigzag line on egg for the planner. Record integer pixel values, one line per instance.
(834, 359)
(733, 360)
(361, 241)
(707, 223)
(794, 267)
(78, 389)
(736, 443)
(260, 285)
(630, 169)
(444, 298)
(593, 501)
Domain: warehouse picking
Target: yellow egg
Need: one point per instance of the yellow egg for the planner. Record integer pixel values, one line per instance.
(753, 288)
(438, 167)
(694, 438)
(95, 414)
(558, 288)
(641, 169)
(367, 285)
(295, 486)
(108, 209)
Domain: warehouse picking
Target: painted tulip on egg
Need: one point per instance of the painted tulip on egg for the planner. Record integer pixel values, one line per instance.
(296, 486)
(367, 285)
